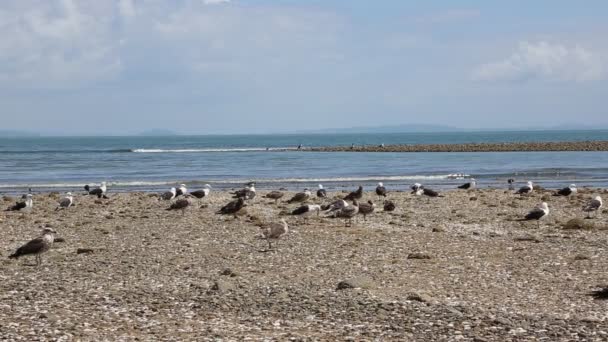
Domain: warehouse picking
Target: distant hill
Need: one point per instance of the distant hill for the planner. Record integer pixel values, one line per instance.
(413, 128)
(16, 134)
(157, 133)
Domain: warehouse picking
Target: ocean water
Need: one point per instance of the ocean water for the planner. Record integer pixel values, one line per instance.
(155, 163)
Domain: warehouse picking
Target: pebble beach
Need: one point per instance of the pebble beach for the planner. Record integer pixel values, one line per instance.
(459, 267)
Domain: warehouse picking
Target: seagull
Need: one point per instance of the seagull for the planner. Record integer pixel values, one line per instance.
(526, 189)
(511, 181)
(274, 231)
(594, 206)
(539, 212)
(37, 246)
(355, 194)
(180, 204)
(366, 209)
(389, 206)
(275, 195)
(233, 206)
(248, 193)
(27, 204)
(182, 190)
(381, 190)
(415, 187)
(168, 195)
(204, 192)
(426, 192)
(65, 202)
(300, 196)
(321, 192)
(348, 213)
(307, 209)
(570, 190)
(335, 206)
(470, 185)
(99, 191)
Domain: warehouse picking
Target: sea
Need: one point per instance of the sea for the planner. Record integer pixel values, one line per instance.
(152, 164)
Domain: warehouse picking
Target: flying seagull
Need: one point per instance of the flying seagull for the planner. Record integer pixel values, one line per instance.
(168, 195)
(99, 191)
(355, 195)
(468, 186)
(300, 197)
(381, 190)
(275, 195)
(539, 212)
(37, 246)
(204, 192)
(526, 189)
(274, 231)
(65, 202)
(593, 206)
(27, 204)
(321, 192)
(570, 190)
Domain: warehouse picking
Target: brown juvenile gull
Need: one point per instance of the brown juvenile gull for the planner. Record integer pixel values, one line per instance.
(389, 206)
(539, 212)
(355, 195)
(274, 231)
(168, 195)
(594, 206)
(275, 195)
(65, 202)
(233, 206)
(348, 213)
(321, 192)
(366, 209)
(37, 246)
(27, 204)
(381, 190)
(180, 204)
(300, 197)
(99, 191)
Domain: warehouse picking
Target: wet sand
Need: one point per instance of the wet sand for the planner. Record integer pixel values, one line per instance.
(453, 268)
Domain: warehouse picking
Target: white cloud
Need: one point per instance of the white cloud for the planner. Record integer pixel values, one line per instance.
(544, 60)
(215, 2)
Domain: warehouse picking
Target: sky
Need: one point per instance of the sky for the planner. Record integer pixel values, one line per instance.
(83, 67)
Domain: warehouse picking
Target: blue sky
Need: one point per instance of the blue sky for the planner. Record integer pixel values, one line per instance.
(246, 66)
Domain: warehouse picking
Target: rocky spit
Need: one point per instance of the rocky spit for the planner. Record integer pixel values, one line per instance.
(442, 269)
(474, 147)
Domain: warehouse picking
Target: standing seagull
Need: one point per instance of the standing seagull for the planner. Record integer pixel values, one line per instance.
(248, 193)
(526, 189)
(300, 197)
(593, 206)
(348, 213)
(27, 204)
(468, 186)
(321, 192)
(275, 195)
(65, 202)
(541, 211)
(355, 195)
(37, 246)
(99, 191)
(180, 204)
(511, 182)
(233, 206)
(204, 192)
(274, 231)
(381, 190)
(168, 195)
(570, 190)
(182, 190)
(366, 209)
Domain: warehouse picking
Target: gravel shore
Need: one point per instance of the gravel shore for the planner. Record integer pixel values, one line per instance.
(474, 147)
(458, 267)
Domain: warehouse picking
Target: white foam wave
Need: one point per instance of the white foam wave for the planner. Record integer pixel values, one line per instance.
(200, 150)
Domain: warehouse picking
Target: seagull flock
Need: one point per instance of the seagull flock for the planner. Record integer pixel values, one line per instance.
(346, 208)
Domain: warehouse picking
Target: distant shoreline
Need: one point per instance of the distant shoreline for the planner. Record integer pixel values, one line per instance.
(566, 146)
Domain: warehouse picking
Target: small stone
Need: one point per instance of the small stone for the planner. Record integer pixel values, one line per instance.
(419, 297)
(355, 283)
(419, 256)
(84, 251)
(228, 272)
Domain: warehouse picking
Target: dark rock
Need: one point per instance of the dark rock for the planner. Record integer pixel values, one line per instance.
(419, 256)
(228, 272)
(356, 283)
(84, 251)
(419, 297)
